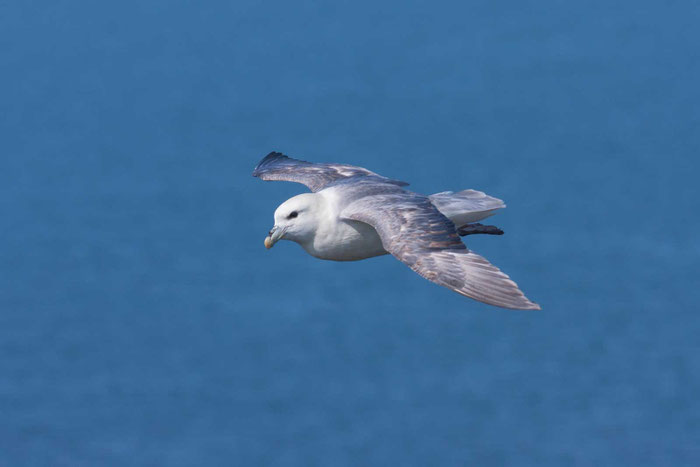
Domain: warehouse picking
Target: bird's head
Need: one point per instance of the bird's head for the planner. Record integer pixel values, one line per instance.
(295, 219)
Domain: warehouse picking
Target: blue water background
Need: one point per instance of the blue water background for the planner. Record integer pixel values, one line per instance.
(143, 323)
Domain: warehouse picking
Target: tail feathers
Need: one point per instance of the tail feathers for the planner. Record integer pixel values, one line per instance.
(467, 206)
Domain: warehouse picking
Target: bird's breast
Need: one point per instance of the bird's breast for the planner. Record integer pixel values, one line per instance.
(346, 240)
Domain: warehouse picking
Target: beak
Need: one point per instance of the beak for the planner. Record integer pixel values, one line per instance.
(273, 237)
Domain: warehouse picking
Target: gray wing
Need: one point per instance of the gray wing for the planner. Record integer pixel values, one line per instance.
(417, 234)
(277, 166)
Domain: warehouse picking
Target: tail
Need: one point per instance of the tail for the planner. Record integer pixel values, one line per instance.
(467, 206)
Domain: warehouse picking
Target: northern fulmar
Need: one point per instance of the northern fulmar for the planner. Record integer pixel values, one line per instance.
(353, 214)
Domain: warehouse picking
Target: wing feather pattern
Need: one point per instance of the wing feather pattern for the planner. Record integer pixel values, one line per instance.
(277, 166)
(415, 232)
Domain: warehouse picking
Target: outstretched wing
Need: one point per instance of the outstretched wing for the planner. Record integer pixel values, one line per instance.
(416, 233)
(277, 166)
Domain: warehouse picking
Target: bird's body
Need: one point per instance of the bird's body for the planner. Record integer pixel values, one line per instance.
(342, 239)
(354, 214)
(350, 240)
(345, 240)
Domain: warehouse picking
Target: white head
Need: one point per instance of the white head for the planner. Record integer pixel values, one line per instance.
(296, 219)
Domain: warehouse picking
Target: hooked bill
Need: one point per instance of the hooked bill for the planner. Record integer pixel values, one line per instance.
(268, 242)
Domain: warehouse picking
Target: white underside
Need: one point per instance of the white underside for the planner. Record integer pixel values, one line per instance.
(346, 240)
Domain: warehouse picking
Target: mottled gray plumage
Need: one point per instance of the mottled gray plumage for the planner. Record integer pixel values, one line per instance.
(417, 234)
(410, 226)
(277, 166)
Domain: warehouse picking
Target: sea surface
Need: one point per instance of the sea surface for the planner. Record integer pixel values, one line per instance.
(143, 323)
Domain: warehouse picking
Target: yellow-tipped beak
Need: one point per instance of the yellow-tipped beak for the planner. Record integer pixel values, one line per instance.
(273, 236)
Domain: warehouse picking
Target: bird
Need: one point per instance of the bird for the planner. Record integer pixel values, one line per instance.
(353, 214)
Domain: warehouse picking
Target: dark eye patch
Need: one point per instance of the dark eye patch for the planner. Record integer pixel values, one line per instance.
(292, 215)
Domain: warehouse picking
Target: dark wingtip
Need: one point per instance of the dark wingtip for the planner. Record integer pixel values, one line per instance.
(273, 156)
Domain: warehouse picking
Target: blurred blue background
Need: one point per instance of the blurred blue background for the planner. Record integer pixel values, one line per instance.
(143, 323)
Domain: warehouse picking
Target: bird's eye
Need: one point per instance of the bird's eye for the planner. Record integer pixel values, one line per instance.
(292, 215)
